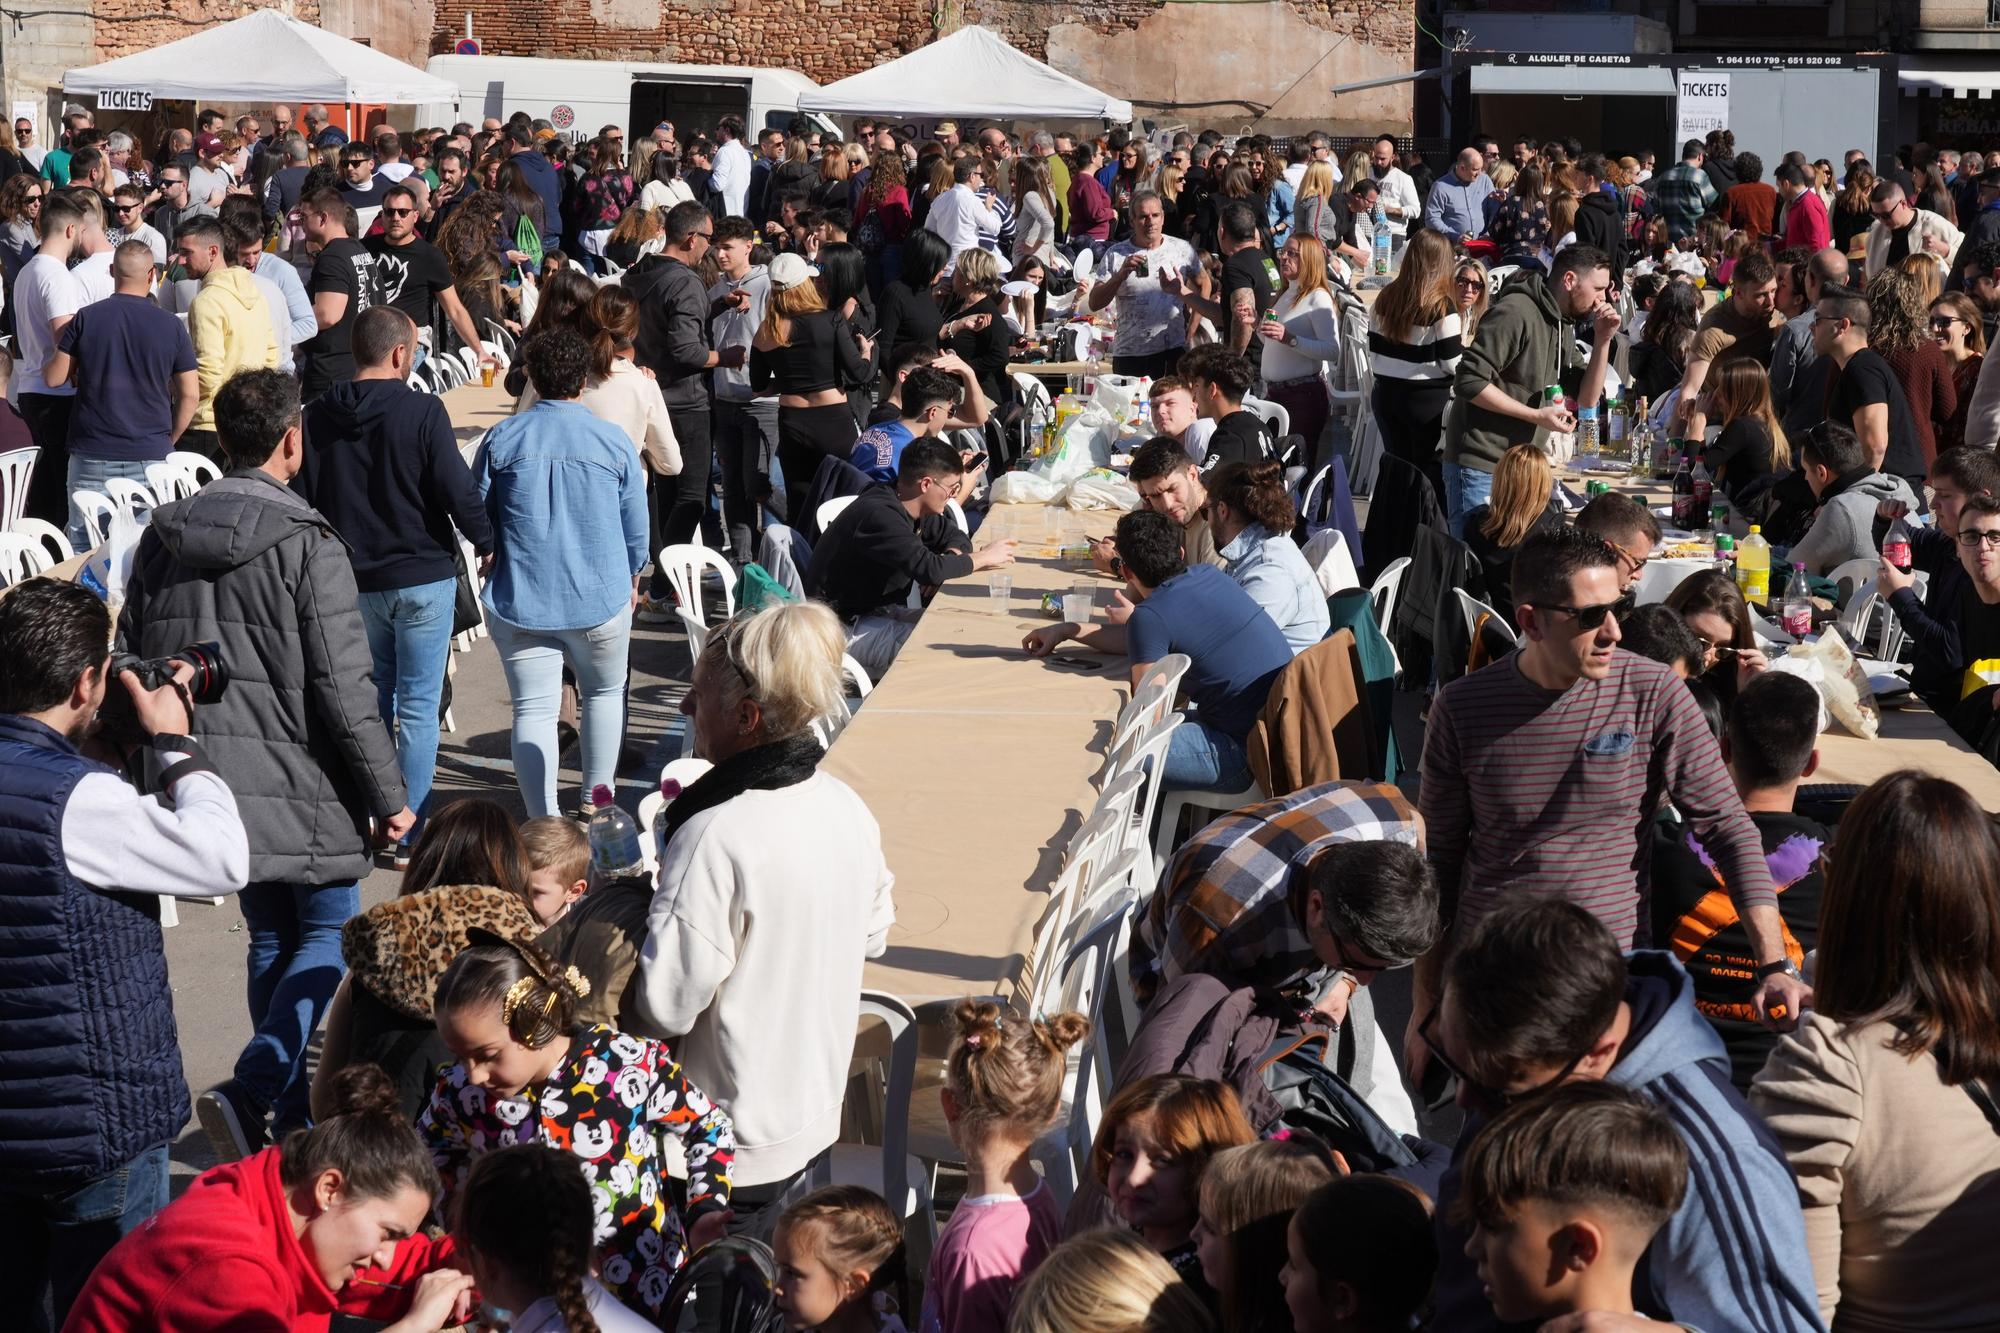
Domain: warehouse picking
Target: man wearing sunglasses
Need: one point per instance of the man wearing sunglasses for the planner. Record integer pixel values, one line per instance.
(1901, 229)
(1541, 774)
(128, 223)
(411, 274)
(1540, 994)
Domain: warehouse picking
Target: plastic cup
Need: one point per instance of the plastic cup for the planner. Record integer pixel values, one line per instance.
(999, 592)
(1052, 523)
(1078, 603)
(486, 375)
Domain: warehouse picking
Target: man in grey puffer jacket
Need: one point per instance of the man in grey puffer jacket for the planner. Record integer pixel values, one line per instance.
(247, 563)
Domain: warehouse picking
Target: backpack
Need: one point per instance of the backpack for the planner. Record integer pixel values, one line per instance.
(1311, 1097)
(868, 233)
(725, 1287)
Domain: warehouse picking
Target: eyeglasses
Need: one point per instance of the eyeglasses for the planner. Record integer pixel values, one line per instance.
(399, 212)
(1884, 214)
(1638, 562)
(1587, 617)
(1492, 1099)
(124, 208)
(1974, 538)
(951, 492)
(166, 183)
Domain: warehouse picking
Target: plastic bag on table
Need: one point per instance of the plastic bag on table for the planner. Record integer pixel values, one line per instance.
(1083, 443)
(1844, 693)
(1025, 488)
(1101, 488)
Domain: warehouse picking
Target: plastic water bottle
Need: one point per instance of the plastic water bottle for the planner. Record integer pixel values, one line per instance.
(1798, 606)
(614, 839)
(1588, 433)
(1896, 546)
(1380, 224)
(1753, 568)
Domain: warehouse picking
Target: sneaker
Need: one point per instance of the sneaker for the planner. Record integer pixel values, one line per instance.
(402, 856)
(233, 1123)
(656, 613)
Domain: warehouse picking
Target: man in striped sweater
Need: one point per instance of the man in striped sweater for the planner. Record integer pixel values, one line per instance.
(1542, 772)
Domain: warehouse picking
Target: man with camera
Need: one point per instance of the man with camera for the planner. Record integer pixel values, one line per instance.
(248, 563)
(91, 1091)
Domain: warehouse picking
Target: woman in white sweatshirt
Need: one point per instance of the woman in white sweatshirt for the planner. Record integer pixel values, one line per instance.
(772, 893)
(1301, 341)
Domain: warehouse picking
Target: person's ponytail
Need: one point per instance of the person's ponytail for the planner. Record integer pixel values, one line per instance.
(368, 1139)
(527, 1209)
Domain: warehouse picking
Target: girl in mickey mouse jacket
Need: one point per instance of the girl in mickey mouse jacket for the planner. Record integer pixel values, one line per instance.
(526, 1073)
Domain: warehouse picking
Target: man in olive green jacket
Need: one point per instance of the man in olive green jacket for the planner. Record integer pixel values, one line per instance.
(1523, 345)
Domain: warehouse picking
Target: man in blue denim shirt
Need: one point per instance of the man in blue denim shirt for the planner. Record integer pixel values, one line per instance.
(567, 498)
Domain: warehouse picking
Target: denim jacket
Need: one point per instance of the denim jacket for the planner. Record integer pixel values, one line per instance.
(567, 499)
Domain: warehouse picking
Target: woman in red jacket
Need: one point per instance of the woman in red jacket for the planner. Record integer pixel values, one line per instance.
(280, 1241)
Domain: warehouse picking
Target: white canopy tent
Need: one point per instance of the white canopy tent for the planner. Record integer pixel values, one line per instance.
(973, 73)
(266, 56)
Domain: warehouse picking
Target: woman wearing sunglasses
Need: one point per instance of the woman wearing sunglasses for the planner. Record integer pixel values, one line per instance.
(1958, 328)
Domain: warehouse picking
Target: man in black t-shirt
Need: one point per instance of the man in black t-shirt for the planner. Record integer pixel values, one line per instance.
(1769, 748)
(341, 287)
(1218, 380)
(1246, 283)
(410, 274)
(1864, 393)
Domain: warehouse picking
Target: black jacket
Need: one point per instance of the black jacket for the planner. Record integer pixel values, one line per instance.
(673, 339)
(383, 466)
(875, 551)
(1597, 224)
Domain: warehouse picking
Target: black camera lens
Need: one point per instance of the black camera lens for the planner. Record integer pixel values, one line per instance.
(211, 678)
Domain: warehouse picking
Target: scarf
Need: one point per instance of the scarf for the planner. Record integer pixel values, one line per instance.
(766, 767)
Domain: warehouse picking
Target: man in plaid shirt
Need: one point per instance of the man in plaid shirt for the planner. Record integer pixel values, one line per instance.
(1330, 875)
(1681, 194)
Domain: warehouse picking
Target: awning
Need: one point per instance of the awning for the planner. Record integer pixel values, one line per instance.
(263, 57)
(1575, 80)
(1921, 78)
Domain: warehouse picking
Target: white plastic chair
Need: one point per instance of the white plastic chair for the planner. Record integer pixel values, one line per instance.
(46, 535)
(1141, 713)
(1167, 673)
(1326, 552)
(857, 676)
(683, 771)
(21, 558)
(17, 469)
(888, 1167)
(1851, 574)
(1174, 802)
(501, 336)
(1144, 753)
(957, 512)
(684, 564)
(1470, 609)
(96, 509)
(132, 497)
(1382, 594)
(1086, 983)
(831, 510)
(1275, 415)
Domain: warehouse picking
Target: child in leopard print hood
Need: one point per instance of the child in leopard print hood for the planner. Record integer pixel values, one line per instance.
(527, 1072)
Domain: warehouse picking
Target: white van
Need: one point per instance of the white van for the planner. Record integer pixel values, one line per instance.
(583, 96)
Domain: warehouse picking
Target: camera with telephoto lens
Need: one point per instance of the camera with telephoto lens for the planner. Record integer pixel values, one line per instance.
(119, 719)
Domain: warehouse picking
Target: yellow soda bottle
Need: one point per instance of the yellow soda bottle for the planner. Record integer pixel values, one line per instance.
(1753, 567)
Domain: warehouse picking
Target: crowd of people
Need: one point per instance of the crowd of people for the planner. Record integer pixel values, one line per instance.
(1725, 1057)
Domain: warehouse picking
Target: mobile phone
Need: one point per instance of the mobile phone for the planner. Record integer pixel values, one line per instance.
(977, 461)
(1067, 660)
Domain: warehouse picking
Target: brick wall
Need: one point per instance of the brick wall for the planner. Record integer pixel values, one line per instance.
(830, 39)
(125, 27)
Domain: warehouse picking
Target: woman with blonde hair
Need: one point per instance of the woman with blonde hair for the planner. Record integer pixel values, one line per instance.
(1473, 286)
(1301, 339)
(1107, 1281)
(1899, 329)
(1752, 448)
(1415, 337)
(975, 326)
(1927, 271)
(1318, 211)
(1957, 328)
(1522, 504)
(1248, 1196)
(807, 355)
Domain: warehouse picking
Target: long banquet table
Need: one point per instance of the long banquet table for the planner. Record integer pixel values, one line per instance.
(978, 764)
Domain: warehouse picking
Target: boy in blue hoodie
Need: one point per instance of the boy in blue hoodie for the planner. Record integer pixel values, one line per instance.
(1538, 996)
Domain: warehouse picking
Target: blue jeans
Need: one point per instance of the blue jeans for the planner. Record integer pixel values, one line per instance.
(53, 1240)
(1465, 489)
(90, 474)
(1201, 758)
(295, 966)
(533, 661)
(409, 638)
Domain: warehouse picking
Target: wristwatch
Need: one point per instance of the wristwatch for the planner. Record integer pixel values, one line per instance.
(1784, 965)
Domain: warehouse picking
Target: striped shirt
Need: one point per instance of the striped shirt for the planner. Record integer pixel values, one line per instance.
(1429, 353)
(1529, 792)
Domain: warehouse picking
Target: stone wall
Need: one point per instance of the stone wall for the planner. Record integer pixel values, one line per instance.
(125, 27)
(1206, 63)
